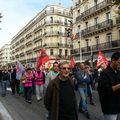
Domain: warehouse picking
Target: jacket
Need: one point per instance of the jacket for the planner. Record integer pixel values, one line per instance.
(110, 101)
(51, 98)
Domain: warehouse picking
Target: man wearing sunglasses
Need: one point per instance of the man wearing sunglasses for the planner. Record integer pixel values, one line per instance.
(60, 98)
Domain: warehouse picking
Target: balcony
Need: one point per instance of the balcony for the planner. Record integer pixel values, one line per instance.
(98, 28)
(47, 12)
(22, 54)
(29, 35)
(53, 33)
(103, 46)
(29, 43)
(29, 51)
(38, 48)
(57, 45)
(22, 40)
(95, 10)
(38, 38)
(65, 45)
(56, 22)
(37, 29)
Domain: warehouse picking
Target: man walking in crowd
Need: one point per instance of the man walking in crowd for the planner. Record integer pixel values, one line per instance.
(52, 74)
(109, 89)
(13, 80)
(89, 84)
(60, 98)
(5, 80)
(82, 80)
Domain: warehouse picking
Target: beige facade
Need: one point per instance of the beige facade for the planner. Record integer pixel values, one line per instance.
(47, 30)
(5, 55)
(96, 26)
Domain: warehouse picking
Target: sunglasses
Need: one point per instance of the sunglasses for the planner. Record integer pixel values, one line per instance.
(65, 68)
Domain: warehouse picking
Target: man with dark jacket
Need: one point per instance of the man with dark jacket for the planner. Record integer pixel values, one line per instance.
(109, 89)
(13, 80)
(60, 98)
(5, 80)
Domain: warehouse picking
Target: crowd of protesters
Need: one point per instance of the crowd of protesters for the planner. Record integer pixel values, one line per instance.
(58, 87)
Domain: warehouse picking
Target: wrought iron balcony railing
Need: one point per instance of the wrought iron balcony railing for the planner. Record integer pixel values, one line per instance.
(94, 9)
(103, 25)
(106, 45)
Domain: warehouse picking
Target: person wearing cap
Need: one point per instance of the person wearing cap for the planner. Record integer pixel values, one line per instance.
(109, 89)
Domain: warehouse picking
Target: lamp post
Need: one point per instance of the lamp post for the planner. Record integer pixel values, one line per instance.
(80, 52)
(91, 53)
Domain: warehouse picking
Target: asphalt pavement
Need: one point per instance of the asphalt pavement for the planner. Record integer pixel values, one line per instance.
(18, 109)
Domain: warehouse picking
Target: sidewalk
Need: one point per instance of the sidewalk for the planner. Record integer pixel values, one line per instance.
(4, 115)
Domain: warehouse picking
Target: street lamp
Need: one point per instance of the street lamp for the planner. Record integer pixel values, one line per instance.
(80, 51)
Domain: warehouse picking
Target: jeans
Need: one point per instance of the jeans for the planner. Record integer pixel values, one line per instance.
(4, 86)
(112, 117)
(83, 100)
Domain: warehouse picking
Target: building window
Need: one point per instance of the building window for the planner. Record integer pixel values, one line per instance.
(51, 52)
(97, 42)
(66, 52)
(95, 3)
(51, 19)
(86, 26)
(52, 9)
(65, 21)
(87, 44)
(60, 52)
(108, 17)
(96, 22)
(109, 39)
(78, 12)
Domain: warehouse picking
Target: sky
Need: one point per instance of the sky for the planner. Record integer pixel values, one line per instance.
(17, 13)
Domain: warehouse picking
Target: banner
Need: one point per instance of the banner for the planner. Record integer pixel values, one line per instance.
(43, 58)
(101, 59)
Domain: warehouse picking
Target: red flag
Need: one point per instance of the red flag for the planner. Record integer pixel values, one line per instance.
(101, 59)
(72, 62)
(43, 58)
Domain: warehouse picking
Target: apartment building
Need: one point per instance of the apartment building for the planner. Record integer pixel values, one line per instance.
(96, 26)
(48, 30)
(5, 55)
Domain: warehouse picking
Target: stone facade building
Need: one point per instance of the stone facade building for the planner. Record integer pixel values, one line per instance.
(48, 30)
(96, 26)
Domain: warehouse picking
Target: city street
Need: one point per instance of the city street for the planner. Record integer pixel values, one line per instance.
(18, 109)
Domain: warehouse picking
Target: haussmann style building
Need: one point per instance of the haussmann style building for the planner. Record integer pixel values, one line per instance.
(46, 30)
(96, 26)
